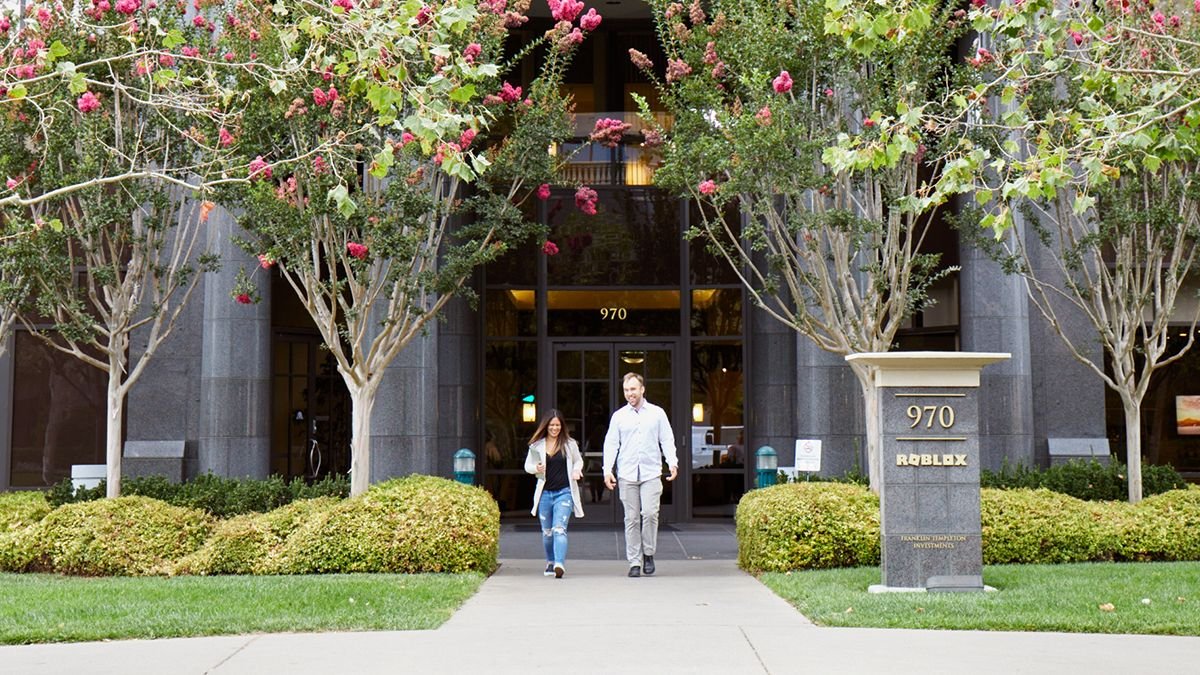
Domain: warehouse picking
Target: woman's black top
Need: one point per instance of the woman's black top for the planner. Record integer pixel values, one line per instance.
(556, 471)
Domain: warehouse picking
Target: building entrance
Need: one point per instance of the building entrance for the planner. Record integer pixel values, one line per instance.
(587, 389)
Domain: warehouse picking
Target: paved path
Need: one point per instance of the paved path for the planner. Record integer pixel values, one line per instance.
(694, 616)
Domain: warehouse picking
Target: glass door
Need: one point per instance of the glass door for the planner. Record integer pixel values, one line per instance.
(587, 389)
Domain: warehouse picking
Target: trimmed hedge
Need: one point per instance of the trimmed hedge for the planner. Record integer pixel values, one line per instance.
(1085, 479)
(250, 543)
(221, 497)
(131, 536)
(1162, 527)
(1043, 526)
(414, 524)
(807, 525)
(19, 511)
(817, 525)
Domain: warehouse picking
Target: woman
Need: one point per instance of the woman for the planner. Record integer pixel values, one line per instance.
(554, 458)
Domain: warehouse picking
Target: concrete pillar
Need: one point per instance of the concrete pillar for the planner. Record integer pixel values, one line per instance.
(459, 388)
(405, 419)
(235, 371)
(994, 317)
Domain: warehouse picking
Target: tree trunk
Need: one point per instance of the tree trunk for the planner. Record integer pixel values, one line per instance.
(874, 426)
(362, 401)
(115, 418)
(1133, 449)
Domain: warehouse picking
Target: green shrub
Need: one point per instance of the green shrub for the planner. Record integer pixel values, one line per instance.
(19, 512)
(221, 497)
(413, 524)
(22, 509)
(127, 536)
(807, 525)
(1042, 526)
(1081, 479)
(249, 543)
(1162, 527)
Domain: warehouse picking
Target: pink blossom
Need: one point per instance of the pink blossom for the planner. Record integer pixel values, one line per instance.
(782, 83)
(1077, 37)
(1195, 7)
(229, 57)
(467, 136)
(88, 102)
(243, 298)
(710, 53)
(677, 69)
(189, 51)
(763, 116)
(608, 132)
(128, 6)
(565, 10)
(543, 191)
(259, 168)
(494, 6)
(868, 123)
(1159, 18)
(320, 97)
(166, 60)
(320, 167)
(406, 138)
(199, 21)
(265, 261)
(224, 138)
(550, 248)
(344, 4)
(356, 250)
(590, 21)
(643, 62)
(707, 187)
(424, 15)
(473, 50)
(254, 36)
(585, 200)
(509, 93)
(12, 183)
(653, 138)
(1174, 21)
(5, 24)
(828, 93)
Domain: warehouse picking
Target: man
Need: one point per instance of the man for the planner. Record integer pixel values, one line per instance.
(639, 437)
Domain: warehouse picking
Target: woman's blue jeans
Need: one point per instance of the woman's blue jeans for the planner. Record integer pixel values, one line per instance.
(554, 510)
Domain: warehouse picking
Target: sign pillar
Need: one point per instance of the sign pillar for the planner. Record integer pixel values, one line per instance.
(929, 452)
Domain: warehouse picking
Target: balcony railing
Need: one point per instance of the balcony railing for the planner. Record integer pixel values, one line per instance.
(630, 163)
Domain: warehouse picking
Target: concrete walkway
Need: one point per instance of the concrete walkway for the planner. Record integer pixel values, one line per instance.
(694, 616)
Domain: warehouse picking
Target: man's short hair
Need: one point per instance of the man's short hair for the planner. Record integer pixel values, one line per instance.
(633, 376)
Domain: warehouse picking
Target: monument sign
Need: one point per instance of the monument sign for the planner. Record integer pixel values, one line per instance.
(929, 450)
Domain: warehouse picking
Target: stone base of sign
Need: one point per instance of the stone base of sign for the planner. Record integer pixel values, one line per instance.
(880, 588)
(929, 468)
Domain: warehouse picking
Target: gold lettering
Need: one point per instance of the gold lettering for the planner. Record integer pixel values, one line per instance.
(901, 460)
(960, 460)
(926, 460)
(914, 460)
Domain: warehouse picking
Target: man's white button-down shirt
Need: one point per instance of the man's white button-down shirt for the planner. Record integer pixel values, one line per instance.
(637, 440)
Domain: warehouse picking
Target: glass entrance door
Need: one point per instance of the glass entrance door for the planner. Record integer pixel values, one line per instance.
(587, 389)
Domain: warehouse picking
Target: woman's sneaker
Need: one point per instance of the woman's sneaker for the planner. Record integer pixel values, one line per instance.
(559, 570)
(549, 570)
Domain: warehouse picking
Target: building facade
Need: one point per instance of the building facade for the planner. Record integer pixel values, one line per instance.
(246, 390)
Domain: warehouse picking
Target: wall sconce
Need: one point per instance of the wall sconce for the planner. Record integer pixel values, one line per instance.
(697, 412)
(528, 412)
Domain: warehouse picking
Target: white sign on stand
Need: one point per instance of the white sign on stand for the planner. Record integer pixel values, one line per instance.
(808, 455)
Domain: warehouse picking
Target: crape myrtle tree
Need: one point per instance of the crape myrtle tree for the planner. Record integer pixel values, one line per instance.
(810, 117)
(414, 156)
(1088, 113)
(115, 122)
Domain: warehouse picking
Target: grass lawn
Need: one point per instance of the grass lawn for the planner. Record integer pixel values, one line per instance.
(50, 608)
(1065, 598)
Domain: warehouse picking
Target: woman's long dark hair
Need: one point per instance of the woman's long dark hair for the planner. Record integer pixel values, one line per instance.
(563, 436)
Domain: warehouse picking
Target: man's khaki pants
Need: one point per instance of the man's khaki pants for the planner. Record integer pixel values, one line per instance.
(640, 500)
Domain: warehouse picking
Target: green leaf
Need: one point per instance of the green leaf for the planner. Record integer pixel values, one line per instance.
(18, 92)
(463, 94)
(55, 224)
(345, 205)
(56, 51)
(174, 39)
(983, 196)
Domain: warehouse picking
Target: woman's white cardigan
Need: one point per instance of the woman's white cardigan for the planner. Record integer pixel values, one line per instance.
(537, 454)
